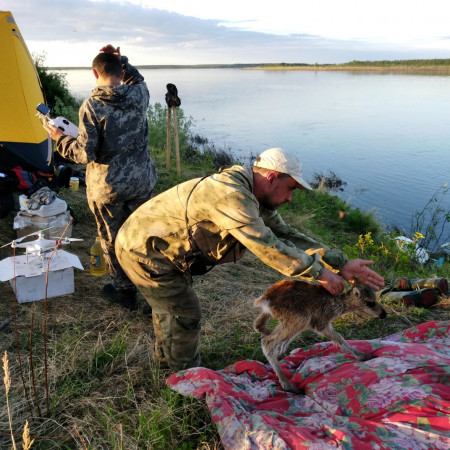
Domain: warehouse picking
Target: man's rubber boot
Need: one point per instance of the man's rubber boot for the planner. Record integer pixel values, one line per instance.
(146, 309)
(124, 297)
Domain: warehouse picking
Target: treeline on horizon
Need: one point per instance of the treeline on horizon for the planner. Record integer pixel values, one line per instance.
(352, 64)
(357, 63)
(402, 62)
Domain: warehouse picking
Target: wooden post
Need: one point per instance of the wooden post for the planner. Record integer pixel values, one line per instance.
(168, 145)
(175, 134)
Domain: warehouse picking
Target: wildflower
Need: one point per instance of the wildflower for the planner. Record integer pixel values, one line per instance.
(417, 236)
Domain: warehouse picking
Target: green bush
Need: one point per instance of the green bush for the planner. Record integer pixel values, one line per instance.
(157, 132)
(388, 258)
(57, 94)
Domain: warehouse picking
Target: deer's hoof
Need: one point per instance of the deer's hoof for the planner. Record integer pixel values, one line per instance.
(294, 389)
(366, 357)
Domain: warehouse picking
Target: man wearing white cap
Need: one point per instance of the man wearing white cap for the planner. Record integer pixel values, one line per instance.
(197, 224)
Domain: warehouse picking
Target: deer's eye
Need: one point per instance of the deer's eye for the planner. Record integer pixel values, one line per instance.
(370, 304)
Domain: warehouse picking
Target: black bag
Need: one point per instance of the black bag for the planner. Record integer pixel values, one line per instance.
(6, 203)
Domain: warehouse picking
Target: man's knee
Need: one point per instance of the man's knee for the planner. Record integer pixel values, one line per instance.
(177, 328)
(179, 339)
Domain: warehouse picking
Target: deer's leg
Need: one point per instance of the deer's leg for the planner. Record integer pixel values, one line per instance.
(332, 334)
(260, 323)
(276, 344)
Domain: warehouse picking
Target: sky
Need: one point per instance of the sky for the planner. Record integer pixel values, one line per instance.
(69, 33)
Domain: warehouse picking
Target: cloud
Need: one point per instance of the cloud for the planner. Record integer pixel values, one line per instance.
(155, 36)
(71, 32)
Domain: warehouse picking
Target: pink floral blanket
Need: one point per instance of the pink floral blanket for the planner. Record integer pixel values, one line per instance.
(399, 400)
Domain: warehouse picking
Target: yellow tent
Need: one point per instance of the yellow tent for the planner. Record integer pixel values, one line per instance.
(22, 136)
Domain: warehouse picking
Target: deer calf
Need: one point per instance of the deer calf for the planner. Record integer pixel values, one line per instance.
(300, 306)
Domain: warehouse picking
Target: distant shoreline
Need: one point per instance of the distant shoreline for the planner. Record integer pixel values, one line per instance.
(401, 66)
(417, 70)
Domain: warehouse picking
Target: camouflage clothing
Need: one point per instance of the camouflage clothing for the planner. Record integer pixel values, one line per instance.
(176, 311)
(222, 211)
(226, 219)
(113, 142)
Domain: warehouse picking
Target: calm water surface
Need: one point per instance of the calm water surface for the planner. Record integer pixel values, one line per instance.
(386, 135)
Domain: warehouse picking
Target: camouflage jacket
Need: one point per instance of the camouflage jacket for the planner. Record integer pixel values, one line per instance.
(225, 219)
(113, 141)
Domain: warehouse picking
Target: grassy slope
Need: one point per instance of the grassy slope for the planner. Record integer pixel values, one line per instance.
(104, 390)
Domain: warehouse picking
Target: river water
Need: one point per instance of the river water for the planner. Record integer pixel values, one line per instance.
(386, 135)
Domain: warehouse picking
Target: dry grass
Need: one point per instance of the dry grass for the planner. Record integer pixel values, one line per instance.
(104, 388)
(101, 378)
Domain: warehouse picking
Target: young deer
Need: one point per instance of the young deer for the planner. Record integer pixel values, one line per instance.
(300, 306)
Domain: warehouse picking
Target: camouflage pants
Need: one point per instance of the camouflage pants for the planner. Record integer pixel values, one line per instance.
(109, 219)
(175, 307)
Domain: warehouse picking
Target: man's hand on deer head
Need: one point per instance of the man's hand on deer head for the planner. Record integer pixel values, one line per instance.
(333, 283)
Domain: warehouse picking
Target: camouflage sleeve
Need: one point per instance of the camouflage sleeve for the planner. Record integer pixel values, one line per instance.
(83, 148)
(281, 255)
(239, 214)
(131, 75)
(332, 257)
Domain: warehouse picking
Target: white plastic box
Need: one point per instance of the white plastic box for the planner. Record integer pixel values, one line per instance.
(30, 275)
(30, 289)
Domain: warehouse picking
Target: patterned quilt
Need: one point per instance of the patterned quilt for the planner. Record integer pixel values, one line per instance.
(399, 400)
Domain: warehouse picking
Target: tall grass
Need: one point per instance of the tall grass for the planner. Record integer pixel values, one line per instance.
(433, 220)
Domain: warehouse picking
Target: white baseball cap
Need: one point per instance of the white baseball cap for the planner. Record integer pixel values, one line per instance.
(282, 161)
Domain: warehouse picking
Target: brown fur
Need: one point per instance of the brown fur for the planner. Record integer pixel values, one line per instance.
(300, 306)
